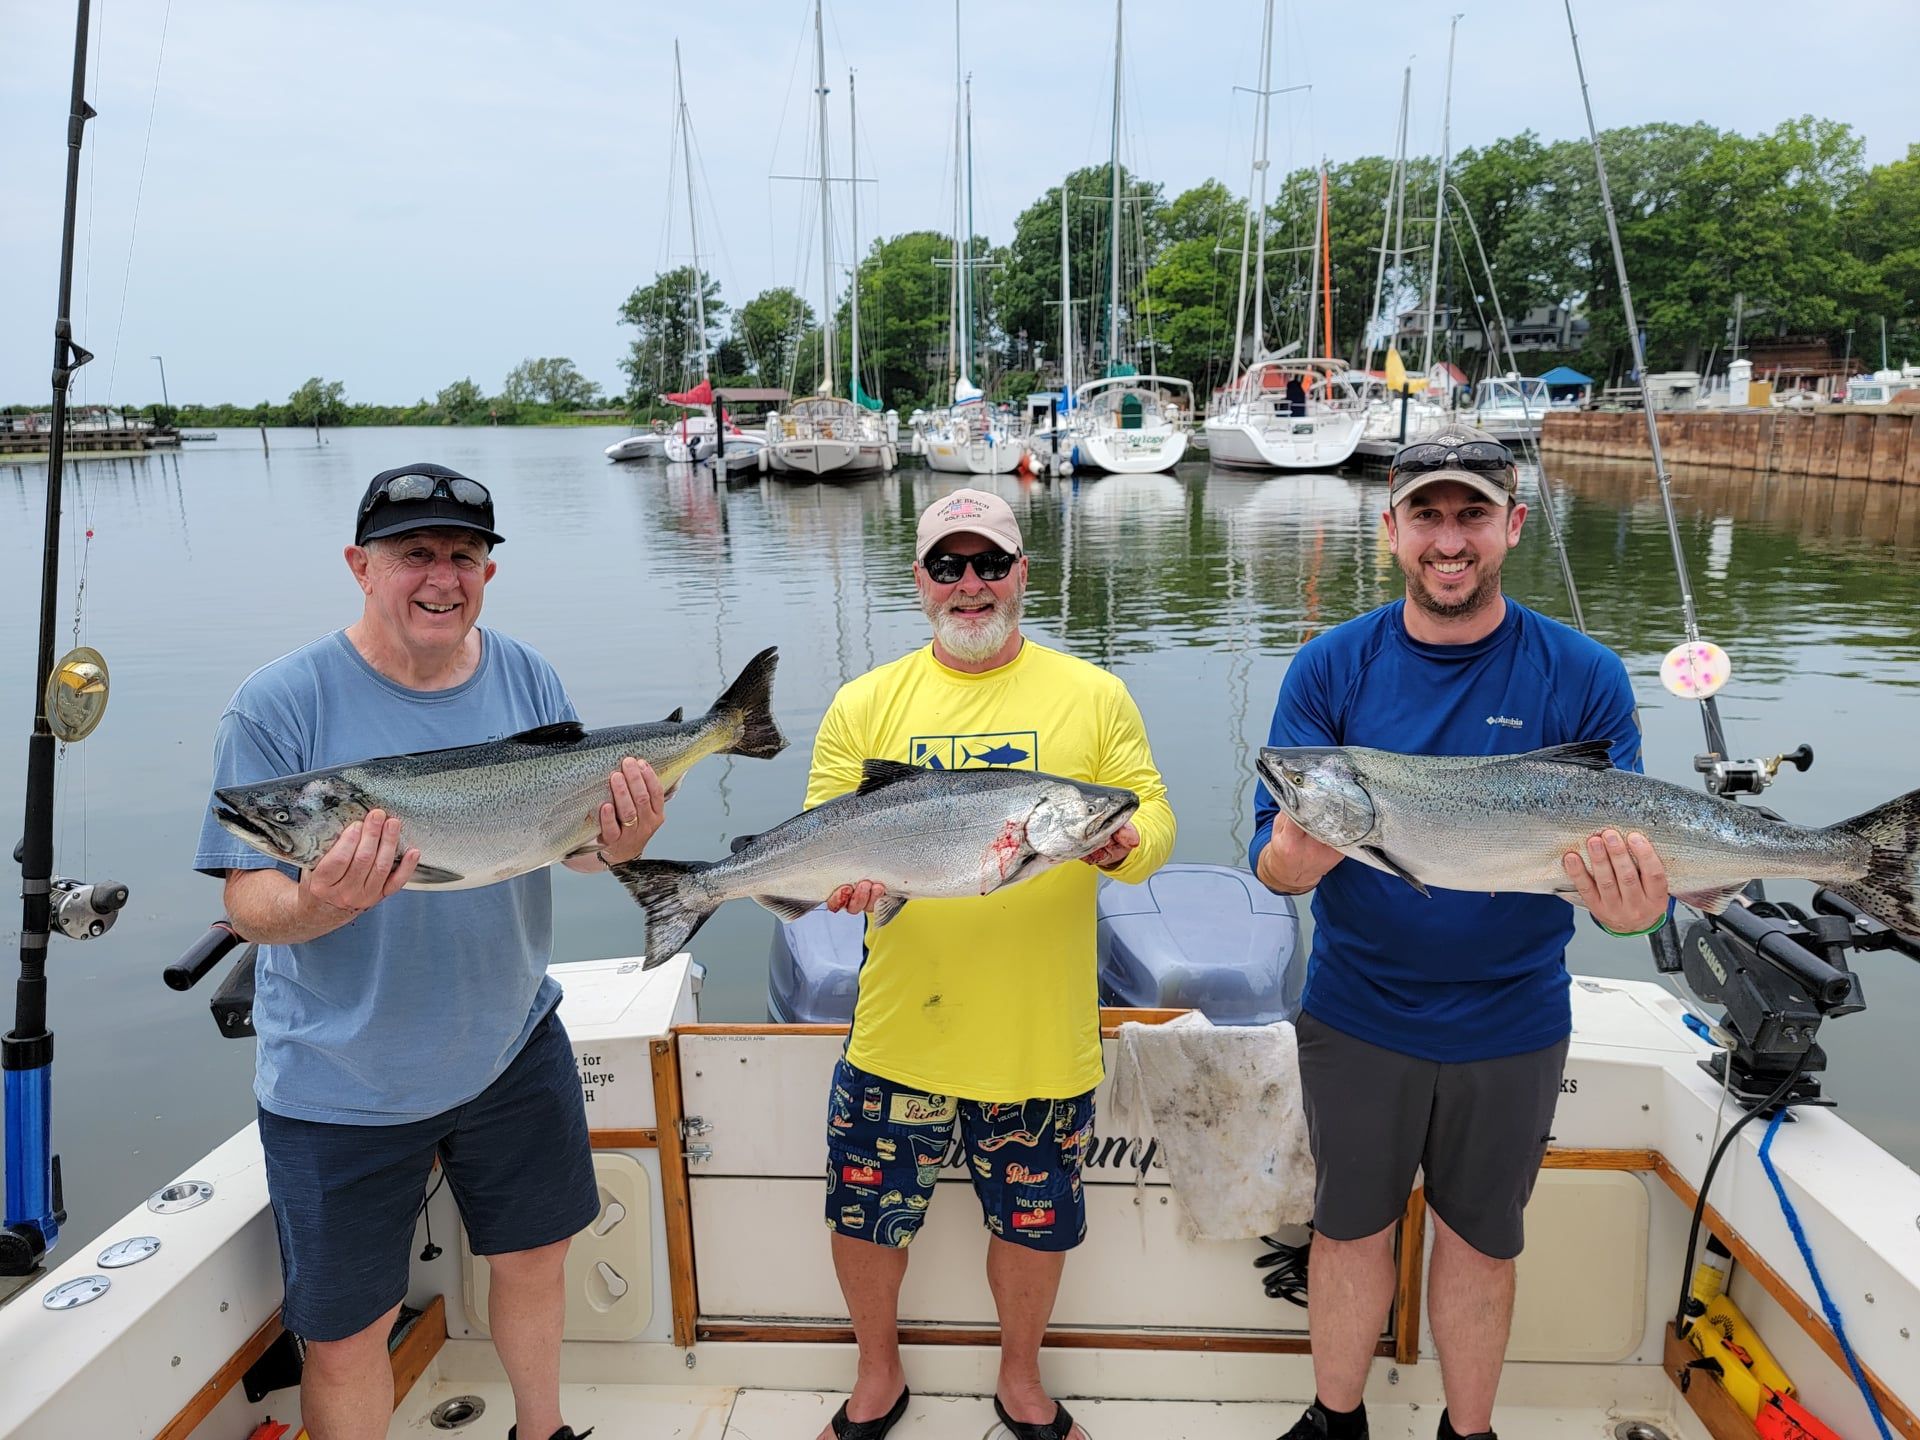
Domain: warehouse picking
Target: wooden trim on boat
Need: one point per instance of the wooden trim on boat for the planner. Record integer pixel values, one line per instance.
(1217, 1342)
(623, 1139)
(224, 1379)
(1797, 1309)
(1708, 1399)
(418, 1345)
(676, 1201)
(1568, 1159)
(1406, 1300)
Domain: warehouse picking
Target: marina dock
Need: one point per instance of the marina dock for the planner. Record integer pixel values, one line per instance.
(1845, 442)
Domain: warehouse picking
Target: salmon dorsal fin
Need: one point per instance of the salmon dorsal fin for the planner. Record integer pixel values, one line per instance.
(1587, 754)
(679, 714)
(561, 732)
(878, 774)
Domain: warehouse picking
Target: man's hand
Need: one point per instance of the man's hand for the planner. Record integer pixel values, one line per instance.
(635, 812)
(358, 872)
(858, 898)
(1622, 881)
(1116, 849)
(1294, 861)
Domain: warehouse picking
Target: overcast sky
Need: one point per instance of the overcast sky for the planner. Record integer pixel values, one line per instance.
(396, 194)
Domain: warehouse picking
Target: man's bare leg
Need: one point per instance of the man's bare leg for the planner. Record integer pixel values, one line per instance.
(870, 1279)
(1470, 1302)
(1349, 1292)
(346, 1386)
(1025, 1283)
(527, 1312)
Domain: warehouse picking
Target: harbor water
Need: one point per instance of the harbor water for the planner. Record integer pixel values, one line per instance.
(648, 589)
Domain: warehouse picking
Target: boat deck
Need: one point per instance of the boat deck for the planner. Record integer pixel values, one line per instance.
(662, 1412)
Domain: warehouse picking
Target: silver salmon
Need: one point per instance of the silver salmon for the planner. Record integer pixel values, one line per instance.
(1501, 823)
(922, 833)
(479, 814)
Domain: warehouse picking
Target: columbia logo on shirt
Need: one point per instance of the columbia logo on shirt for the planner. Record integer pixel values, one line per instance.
(1506, 720)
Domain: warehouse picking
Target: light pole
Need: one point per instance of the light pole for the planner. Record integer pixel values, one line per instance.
(163, 385)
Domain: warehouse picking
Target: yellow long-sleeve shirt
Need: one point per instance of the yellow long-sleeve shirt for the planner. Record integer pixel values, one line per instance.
(994, 997)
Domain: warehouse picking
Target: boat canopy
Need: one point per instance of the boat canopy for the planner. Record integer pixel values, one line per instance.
(1565, 375)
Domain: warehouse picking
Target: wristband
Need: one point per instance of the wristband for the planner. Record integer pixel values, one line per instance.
(1629, 934)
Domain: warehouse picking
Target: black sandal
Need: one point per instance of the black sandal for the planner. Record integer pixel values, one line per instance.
(846, 1429)
(1058, 1428)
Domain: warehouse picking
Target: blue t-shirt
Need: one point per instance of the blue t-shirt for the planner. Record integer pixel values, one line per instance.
(1459, 975)
(420, 1003)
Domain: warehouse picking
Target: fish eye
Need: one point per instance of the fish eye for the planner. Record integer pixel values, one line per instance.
(281, 817)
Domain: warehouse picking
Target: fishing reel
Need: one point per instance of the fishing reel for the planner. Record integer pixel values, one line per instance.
(1749, 777)
(84, 911)
(1780, 971)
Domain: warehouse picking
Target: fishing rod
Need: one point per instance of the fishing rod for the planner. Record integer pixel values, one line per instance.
(69, 698)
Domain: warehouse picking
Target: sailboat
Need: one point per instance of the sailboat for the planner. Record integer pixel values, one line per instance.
(826, 434)
(1127, 423)
(705, 433)
(1283, 413)
(967, 438)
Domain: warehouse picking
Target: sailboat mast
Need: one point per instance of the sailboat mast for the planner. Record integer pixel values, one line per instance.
(1113, 168)
(966, 264)
(1326, 257)
(827, 346)
(1066, 304)
(853, 192)
(693, 222)
(1440, 197)
(1386, 215)
(1313, 292)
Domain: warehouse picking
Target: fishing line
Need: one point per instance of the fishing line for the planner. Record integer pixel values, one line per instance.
(139, 191)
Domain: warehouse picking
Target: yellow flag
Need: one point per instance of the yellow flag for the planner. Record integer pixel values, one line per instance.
(1396, 373)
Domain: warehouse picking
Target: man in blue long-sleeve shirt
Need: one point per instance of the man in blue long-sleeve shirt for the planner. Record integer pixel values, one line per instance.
(1433, 1030)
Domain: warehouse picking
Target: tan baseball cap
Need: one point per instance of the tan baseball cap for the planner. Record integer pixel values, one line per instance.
(967, 512)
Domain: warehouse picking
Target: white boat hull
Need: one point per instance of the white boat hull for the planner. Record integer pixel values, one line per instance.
(648, 445)
(1130, 452)
(815, 459)
(973, 457)
(1312, 442)
(1160, 1334)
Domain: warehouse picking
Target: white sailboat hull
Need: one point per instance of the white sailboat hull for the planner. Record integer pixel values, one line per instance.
(1284, 442)
(816, 458)
(991, 456)
(1131, 452)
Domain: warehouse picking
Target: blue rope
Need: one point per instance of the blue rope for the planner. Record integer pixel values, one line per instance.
(1806, 1254)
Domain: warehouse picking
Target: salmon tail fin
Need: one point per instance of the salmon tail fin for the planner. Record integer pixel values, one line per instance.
(1890, 890)
(670, 892)
(750, 699)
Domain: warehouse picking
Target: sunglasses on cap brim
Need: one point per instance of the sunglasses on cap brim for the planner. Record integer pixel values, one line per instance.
(1479, 457)
(402, 488)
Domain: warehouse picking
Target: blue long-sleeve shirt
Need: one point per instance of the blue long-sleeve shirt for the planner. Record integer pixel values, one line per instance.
(1458, 975)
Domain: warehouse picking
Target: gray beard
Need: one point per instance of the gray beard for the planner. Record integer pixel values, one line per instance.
(1475, 600)
(976, 640)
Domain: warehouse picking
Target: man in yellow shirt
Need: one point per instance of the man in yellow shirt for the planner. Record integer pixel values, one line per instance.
(977, 1031)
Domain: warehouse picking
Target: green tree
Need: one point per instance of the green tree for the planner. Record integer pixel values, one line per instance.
(462, 403)
(665, 355)
(552, 382)
(318, 402)
(903, 320)
(1879, 226)
(770, 331)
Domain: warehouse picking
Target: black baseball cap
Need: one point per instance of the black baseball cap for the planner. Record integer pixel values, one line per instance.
(1461, 453)
(423, 497)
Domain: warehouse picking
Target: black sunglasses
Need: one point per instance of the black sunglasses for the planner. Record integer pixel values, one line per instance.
(457, 488)
(1479, 456)
(945, 568)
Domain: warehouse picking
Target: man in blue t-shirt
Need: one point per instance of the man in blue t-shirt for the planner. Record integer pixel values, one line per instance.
(399, 1026)
(1433, 1029)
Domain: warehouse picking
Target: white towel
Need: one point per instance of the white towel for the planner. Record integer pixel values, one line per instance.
(1224, 1103)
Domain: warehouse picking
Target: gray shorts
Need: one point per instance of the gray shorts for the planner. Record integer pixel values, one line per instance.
(1478, 1128)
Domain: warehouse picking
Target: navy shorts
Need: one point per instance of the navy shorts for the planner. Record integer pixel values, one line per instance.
(887, 1143)
(346, 1197)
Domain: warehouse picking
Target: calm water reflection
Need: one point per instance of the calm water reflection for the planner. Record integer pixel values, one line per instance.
(648, 589)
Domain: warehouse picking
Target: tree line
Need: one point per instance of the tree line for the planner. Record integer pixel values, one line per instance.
(1791, 229)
